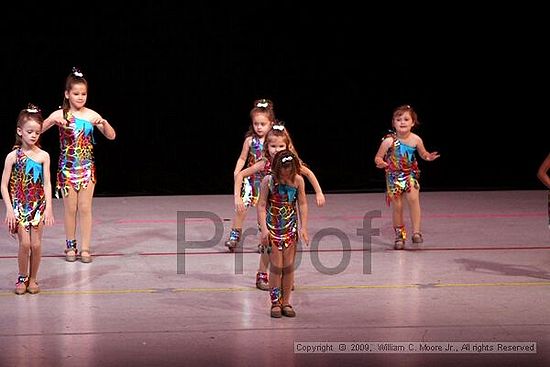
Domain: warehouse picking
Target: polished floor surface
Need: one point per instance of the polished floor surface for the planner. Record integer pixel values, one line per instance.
(163, 291)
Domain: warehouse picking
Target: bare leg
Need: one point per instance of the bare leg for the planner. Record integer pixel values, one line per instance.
(36, 255)
(289, 255)
(24, 250)
(85, 197)
(397, 211)
(413, 200)
(70, 205)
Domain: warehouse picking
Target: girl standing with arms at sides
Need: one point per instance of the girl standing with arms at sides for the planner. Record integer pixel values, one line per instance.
(27, 193)
(396, 155)
(76, 177)
(263, 117)
(277, 139)
(282, 201)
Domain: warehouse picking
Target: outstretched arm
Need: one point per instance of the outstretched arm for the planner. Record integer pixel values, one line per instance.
(319, 196)
(427, 156)
(542, 172)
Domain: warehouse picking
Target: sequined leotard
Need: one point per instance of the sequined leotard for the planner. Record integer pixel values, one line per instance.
(282, 216)
(250, 191)
(76, 166)
(26, 189)
(402, 172)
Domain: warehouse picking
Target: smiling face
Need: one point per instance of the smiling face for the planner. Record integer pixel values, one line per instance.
(77, 95)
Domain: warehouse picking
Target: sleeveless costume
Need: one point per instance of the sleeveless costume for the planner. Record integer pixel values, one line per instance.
(76, 166)
(26, 187)
(250, 191)
(402, 172)
(282, 215)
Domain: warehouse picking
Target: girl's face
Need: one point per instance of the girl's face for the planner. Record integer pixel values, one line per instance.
(29, 132)
(77, 95)
(261, 124)
(275, 145)
(403, 123)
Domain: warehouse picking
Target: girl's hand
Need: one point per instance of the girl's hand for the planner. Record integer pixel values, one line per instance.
(264, 238)
(320, 199)
(11, 221)
(98, 121)
(304, 236)
(381, 164)
(431, 156)
(239, 205)
(48, 218)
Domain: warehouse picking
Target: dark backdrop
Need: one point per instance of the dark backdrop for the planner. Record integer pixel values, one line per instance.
(177, 81)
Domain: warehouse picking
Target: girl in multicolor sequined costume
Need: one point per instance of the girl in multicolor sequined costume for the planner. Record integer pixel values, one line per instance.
(396, 155)
(76, 170)
(282, 201)
(277, 139)
(542, 174)
(262, 116)
(27, 193)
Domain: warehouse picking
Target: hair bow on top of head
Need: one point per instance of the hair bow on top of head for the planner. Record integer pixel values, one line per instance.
(77, 72)
(262, 103)
(32, 108)
(286, 159)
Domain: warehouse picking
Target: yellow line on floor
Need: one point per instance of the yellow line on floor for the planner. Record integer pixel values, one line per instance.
(298, 288)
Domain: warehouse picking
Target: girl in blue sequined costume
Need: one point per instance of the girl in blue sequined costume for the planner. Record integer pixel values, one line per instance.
(27, 193)
(397, 156)
(76, 177)
(283, 212)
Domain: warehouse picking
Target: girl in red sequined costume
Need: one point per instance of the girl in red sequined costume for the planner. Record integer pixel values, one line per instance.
(27, 193)
(76, 169)
(396, 155)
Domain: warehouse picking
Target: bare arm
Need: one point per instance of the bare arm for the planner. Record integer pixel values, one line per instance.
(238, 184)
(427, 156)
(241, 161)
(381, 154)
(302, 209)
(55, 118)
(103, 125)
(6, 173)
(542, 172)
(48, 213)
(319, 196)
(261, 208)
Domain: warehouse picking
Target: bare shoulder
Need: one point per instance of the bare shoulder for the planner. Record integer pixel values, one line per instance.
(11, 156)
(416, 139)
(44, 156)
(90, 114)
(299, 180)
